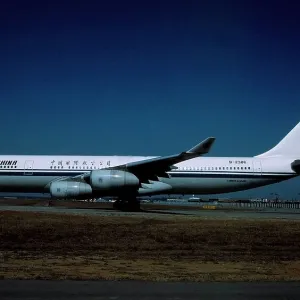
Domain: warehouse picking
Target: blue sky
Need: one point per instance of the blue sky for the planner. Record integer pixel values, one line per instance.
(149, 78)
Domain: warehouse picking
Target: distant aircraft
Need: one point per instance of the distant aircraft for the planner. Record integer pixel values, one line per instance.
(127, 177)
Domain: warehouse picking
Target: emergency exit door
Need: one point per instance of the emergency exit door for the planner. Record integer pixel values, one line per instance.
(28, 167)
(257, 166)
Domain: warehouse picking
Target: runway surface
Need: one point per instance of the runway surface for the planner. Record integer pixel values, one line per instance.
(130, 290)
(288, 214)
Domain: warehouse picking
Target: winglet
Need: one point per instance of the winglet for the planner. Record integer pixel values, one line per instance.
(203, 147)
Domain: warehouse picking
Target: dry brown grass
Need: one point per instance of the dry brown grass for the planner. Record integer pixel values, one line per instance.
(92, 267)
(39, 245)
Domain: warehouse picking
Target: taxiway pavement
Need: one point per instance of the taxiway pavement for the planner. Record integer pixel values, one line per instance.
(130, 290)
(201, 213)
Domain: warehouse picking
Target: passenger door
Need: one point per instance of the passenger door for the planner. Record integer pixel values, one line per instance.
(28, 167)
(257, 166)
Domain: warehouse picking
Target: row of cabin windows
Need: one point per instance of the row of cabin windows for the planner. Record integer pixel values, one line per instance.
(73, 167)
(8, 167)
(59, 167)
(52, 167)
(213, 168)
(183, 168)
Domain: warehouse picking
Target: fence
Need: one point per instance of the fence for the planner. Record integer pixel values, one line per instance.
(260, 205)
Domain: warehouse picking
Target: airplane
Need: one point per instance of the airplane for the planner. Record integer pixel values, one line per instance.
(127, 177)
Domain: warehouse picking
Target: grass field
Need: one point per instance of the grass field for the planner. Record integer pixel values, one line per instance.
(53, 246)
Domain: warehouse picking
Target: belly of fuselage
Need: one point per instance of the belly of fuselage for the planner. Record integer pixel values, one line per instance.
(23, 184)
(214, 185)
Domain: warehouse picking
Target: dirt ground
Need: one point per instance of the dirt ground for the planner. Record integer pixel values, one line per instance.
(54, 246)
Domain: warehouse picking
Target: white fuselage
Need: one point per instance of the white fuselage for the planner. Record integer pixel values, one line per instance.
(203, 175)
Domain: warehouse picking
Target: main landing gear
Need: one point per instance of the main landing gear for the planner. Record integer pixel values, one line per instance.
(127, 203)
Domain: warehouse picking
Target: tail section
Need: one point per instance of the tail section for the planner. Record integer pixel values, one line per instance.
(289, 146)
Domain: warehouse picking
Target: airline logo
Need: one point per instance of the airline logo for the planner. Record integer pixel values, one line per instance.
(8, 162)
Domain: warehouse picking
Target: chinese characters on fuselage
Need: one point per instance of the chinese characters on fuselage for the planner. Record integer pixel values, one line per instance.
(76, 164)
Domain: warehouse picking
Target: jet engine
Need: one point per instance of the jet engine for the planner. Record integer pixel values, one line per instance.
(70, 189)
(108, 180)
(154, 187)
(296, 166)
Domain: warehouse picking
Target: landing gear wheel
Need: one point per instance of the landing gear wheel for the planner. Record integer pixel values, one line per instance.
(131, 204)
(116, 204)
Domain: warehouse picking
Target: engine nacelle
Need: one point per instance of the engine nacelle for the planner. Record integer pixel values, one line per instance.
(107, 180)
(296, 166)
(70, 189)
(154, 187)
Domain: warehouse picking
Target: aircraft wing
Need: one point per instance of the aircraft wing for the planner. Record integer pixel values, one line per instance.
(150, 169)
